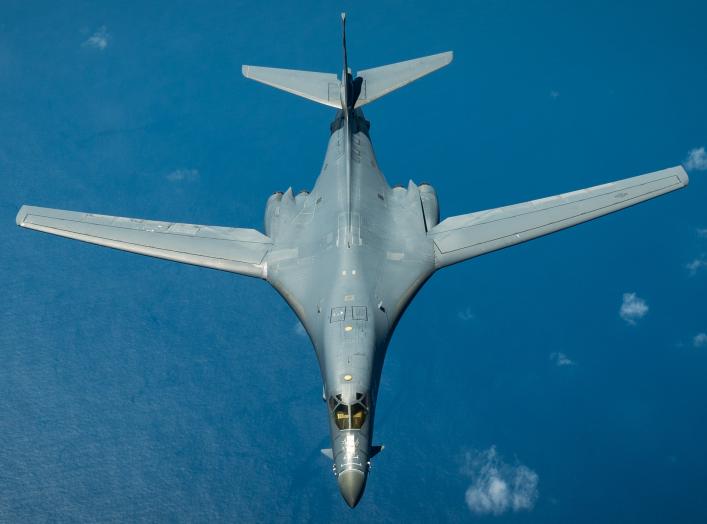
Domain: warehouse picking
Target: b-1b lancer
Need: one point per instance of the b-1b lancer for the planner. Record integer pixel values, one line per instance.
(349, 256)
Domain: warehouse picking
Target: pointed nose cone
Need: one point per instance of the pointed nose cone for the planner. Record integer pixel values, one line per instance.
(351, 483)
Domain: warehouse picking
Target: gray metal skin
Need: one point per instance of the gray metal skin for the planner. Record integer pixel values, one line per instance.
(351, 255)
(352, 243)
(317, 265)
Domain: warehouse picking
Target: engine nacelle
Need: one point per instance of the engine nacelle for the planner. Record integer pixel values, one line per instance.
(272, 213)
(301, 197)
(282, 208)
(430, 205)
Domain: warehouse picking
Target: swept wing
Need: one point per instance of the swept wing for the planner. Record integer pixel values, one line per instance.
(229, 249)
(463, 237)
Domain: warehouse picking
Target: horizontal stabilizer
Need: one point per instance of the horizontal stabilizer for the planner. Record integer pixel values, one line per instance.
(328, 453)
(319, 87)
(380, 81)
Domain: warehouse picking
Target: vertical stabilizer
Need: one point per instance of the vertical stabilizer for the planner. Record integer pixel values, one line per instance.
(347, 96)
(347, 101)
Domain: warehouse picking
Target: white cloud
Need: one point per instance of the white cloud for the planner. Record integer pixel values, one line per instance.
(633, 308)
(98, 40)
(496, 486)
(696, 159)
(695, 265)
(180, 175)
(466, 315)
(700, 340)
(299, 329)
(560, 359)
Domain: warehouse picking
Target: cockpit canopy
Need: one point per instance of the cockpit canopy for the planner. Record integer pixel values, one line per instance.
(349, 416)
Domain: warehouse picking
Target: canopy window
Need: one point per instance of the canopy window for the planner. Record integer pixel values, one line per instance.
(349, 416)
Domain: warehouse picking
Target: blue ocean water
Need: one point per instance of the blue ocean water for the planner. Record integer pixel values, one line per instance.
(134, 389)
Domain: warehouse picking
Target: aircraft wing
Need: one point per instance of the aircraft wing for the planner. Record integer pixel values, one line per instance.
(467, 236)
(229, 249)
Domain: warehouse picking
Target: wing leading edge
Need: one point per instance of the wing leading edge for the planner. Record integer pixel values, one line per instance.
(463, 237)
(228, 249)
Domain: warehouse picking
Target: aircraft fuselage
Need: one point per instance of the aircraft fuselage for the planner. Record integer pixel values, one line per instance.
(348, 258)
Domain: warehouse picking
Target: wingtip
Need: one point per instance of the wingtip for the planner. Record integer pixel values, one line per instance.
(21, 214)
(244, 70)
(682, 175)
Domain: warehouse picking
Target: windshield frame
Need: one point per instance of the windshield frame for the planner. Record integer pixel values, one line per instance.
(348, 416)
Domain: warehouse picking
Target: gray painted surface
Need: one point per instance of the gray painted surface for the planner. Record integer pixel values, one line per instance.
(350, 256)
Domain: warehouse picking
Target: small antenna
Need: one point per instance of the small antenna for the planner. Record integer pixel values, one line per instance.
(343, 37)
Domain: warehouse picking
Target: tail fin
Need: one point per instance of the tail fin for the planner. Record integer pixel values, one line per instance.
(347, 89)
(369, 85)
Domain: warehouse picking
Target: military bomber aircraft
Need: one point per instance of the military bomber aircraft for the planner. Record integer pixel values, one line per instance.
(349, 256)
